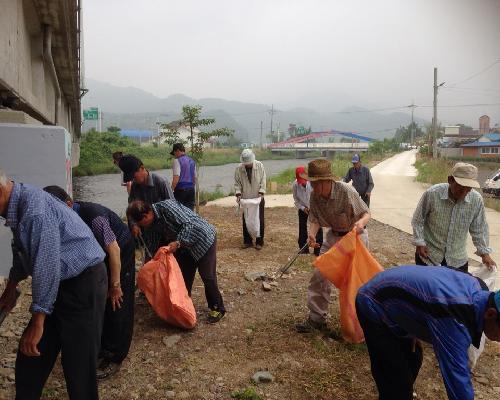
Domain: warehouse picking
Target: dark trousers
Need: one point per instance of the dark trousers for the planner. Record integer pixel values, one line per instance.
(119, 324)
(74, 329)
(247, 239)
(366, 199)
(303, 233)
(395, 361)
(463, 268)
(185, 197)
(206, 267)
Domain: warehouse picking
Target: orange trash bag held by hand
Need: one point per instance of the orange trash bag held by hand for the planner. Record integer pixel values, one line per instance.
(348, 265)
(161, 281)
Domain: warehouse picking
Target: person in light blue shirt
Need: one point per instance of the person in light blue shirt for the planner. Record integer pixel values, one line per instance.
(69, 286)
(441, 306)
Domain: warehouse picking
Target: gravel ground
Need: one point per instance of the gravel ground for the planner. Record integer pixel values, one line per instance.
(257, 334)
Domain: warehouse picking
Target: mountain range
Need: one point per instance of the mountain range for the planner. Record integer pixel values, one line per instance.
(134, 109)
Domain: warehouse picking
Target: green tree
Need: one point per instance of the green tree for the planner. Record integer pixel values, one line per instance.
(404, 133)
(113, 128)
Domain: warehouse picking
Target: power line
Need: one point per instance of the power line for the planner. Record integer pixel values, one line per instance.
(476, 74)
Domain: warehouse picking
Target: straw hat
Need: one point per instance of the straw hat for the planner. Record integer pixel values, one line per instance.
(318, 170)
(465, 175)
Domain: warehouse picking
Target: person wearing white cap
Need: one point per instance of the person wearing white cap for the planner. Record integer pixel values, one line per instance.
(250, 183)
(444, 215)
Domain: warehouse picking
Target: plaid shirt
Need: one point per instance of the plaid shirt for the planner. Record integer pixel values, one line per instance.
(51, 243)
(340, 211)
(442, 224)
(192, 231)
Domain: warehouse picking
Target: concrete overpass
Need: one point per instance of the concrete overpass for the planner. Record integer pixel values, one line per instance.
(40, 64)
(351, 142)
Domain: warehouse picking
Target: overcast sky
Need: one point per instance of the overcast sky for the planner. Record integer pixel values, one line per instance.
(299, 52)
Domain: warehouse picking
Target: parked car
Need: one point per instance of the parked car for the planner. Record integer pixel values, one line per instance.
(492, 184)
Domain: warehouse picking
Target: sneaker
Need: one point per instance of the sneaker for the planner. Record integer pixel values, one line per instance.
(246, 245)
(309, 326)
(258, 247)
(215, 316)
(106, 368)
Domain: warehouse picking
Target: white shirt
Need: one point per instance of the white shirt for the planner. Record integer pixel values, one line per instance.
(301, 195)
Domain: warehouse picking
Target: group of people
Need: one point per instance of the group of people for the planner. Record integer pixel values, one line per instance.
(437, 300)
(81, 258)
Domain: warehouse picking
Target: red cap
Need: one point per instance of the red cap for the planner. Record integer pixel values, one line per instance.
(298, 172)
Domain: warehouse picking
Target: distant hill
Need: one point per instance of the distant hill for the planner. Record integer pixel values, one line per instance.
(132, 108)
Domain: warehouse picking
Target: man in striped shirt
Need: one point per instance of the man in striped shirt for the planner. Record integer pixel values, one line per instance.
(183, 229)
(444, 215)
(447, 309)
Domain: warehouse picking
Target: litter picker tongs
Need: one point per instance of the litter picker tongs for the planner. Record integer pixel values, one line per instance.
(143, 244)
(285, 267)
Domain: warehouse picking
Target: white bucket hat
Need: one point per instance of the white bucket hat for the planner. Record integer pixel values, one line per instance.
(465, 175)
(247, 156)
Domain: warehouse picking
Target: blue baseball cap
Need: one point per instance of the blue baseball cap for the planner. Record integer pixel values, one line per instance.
(355, 158)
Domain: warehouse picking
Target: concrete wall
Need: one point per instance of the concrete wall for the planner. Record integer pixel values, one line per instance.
(27, 81)
(447, 152)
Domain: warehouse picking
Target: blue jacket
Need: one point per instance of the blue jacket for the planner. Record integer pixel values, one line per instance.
(437, 305)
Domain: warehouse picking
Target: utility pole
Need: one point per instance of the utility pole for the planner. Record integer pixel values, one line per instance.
(412, 129)
(271, 111)
(434, 115)
(434, 118)
(261, 126)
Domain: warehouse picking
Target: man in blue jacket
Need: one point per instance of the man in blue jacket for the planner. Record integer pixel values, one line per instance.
(443, 307)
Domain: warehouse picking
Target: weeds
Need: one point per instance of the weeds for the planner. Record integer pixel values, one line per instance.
(246, 394)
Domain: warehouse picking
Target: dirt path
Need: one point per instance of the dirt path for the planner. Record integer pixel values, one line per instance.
(212, 362)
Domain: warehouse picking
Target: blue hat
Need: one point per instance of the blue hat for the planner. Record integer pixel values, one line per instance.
(496, 298)
(355, 158)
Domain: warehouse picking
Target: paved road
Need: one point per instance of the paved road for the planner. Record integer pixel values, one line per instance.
(396, 195)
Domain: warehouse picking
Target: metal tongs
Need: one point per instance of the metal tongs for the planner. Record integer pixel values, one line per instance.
(285, 267)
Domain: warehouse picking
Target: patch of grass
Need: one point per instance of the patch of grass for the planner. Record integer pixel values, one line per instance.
(340, 165)
(246, 394)
(492, 203)
(205, 196)
(433, 170)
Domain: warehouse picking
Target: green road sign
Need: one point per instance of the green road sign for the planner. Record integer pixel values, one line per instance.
(92, 114)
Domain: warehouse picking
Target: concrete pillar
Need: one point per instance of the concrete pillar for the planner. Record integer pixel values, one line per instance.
(300, 154)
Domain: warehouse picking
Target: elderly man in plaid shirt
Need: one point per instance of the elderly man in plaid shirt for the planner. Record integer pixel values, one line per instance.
(444, 215)
(69, 284)
(183, 229)
(338, 207)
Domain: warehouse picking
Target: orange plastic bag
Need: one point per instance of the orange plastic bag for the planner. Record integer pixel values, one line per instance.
(348, 265)
(161, 281)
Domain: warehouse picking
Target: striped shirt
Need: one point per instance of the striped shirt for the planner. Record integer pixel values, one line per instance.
(193, 232)
(340, 211)
(51, 243)
(441, 224)
(434, 304)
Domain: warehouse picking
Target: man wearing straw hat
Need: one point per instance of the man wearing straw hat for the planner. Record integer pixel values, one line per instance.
(443, 217)
(337, 206)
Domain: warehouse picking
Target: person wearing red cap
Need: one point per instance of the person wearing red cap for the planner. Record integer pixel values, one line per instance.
(302, 190)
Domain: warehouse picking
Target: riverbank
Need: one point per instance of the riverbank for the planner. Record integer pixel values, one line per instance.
(96, 150)
(216, 362)
(340, 165)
